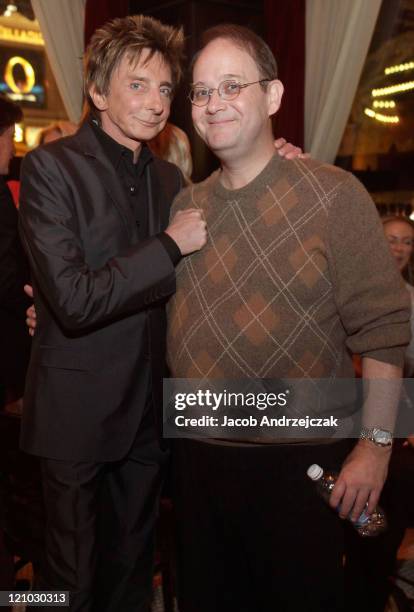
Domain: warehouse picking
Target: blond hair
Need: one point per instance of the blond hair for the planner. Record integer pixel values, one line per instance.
(61, 128)
(130, 35)
(173, 145)
(400, 218)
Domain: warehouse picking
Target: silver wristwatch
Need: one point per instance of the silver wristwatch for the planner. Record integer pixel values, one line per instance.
(380, 437)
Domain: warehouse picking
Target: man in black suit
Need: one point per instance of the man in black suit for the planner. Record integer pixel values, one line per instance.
(94, 208)
(15, 345)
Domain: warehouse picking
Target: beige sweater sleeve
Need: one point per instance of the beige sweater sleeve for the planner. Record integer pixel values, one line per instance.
(371, 298)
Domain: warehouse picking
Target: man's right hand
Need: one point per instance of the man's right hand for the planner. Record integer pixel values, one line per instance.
(30, 312)
(188, 230)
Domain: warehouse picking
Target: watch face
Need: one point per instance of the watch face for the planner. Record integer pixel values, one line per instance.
(382, 437)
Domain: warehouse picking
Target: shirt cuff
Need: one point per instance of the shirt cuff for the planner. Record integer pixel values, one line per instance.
(171, 247)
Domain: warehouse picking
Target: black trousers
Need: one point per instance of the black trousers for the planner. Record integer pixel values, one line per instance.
(253, 534)
(100, 526)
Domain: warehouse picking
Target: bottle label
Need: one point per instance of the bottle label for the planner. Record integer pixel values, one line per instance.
(363, 519)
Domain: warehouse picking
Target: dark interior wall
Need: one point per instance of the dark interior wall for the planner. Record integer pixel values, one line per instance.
(98, 12)
(285, 35)
(196, 17)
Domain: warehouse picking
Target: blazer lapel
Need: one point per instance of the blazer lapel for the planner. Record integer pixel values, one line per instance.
(105, 170)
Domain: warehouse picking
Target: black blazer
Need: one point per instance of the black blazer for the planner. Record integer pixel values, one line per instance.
(98, 291)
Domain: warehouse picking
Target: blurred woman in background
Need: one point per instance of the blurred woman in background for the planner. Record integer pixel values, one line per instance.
(172, 144)
(371, 561)
(399, 232)
(56, 130)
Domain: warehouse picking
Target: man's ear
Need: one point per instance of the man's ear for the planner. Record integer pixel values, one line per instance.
(274, 95)
(99, 100)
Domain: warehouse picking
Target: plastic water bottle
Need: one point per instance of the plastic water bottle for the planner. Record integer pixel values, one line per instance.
(365, 525)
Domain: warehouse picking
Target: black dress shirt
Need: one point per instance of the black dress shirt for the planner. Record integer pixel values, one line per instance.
(132, 176)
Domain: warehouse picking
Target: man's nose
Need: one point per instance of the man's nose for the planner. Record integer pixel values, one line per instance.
(215, 102)
(155, 101)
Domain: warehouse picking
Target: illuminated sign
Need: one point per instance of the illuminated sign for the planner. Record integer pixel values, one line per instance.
(31, 37)
(27, 84)
(21, 76)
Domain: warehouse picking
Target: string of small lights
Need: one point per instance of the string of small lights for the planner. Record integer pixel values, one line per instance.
(389, 90)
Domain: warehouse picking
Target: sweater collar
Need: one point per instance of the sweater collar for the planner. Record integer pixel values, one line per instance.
(267, 175)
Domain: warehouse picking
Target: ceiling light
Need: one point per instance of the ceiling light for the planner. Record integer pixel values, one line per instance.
(384, 104)
(386, 91)
(380, 117)
(399, 68)
(9, 10)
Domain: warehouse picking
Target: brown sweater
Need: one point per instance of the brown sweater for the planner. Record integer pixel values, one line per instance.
(296, 276)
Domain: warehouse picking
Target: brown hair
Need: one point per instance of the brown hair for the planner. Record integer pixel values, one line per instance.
(247, 40)
(10, 114)
(130, 35)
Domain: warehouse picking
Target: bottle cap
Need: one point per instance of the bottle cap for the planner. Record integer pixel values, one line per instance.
(315, 472)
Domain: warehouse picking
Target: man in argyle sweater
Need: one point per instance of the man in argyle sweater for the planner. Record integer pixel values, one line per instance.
(295, 277)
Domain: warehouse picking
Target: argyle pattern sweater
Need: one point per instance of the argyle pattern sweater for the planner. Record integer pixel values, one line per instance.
(296, 276)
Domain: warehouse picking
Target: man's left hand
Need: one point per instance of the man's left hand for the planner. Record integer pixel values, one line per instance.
(360, 480)
(288, 150)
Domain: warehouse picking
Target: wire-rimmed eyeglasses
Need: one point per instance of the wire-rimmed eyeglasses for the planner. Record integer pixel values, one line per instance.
(227, 90)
